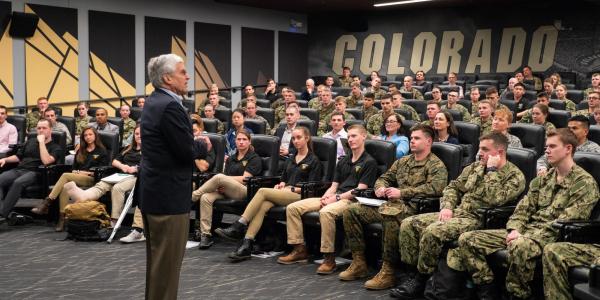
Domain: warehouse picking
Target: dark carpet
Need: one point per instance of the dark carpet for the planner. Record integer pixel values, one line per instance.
(34, 264)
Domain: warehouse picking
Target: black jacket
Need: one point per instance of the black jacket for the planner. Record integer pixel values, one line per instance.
(165, 181)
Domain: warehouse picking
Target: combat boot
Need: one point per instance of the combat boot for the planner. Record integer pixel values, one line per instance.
(357, 269)
(298, 255)
(385, 279)
(328, 266)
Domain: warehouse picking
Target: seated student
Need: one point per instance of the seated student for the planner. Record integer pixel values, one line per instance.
(325, 108)
(484, 120)
(474, 97)
(102, 124)
(243, 163)
(213, 100)
(433, 108)
(237, 124)
(289, 97)
(358, 170)
(539, 115)
(525, 116)
(580, 126)
(561, 94)
(82, 120)
(355, 95)
(50, 115)
(436, 94)
(420, 81)
(558, 258)
(337, 132)
(271, 92)
(128, 125)
(453, 105)
(127, 162)
(548, 87)
(242, 104)
(377, 120)
(91, 154)
(340, 107)
(367, 107)
(397, 100)
(566, 192)
(408, 88)
(509, 87)
(251, 115)
(521, 103)
(284, 132)
(393, 88)
(209, 113)
(593, 100)
(490, 182)
(594, 85)
(392, 131)
(452, 78)
(303, 166)
(345, 80)
(445, 130)
(36, 152)
(33, 117)
(528, 77)
(202, 165)
(309, 92)
(420, 174)
(500, 124)
(314, 102)
(140, 102)
(8, 133)
(375, 88)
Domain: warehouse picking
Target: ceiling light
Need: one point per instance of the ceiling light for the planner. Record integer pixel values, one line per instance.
(399, 2)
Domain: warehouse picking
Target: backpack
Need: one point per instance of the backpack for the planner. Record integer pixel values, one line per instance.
(447, 284)
(87, 221)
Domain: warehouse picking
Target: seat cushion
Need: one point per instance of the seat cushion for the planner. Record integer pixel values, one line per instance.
(277, 213)
(579, 275)
(311, 219)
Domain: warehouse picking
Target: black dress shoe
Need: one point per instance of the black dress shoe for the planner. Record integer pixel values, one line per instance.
(205, 241)
(487, 291)
(243, 252)
(411, 288)
(234, 232)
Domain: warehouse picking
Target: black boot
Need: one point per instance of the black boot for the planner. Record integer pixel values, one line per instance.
(411, 288)
(205, 241)
(243, 252)
(486, 291)
(235, 232)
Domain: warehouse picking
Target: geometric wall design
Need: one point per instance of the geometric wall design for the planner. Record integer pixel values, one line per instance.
(6, 58)
(162, 36)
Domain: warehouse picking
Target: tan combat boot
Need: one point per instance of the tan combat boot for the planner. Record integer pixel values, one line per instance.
(328, 266)
(298, 255)
(385, 279)
(357, 269)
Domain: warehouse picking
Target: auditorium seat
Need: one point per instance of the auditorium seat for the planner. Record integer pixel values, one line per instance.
(532, 136)
(341, 91)
(70, 123)
(560, 118)
(558, 104)
(419, 105)
(20, 122)
(312, 114)
(594, 134)
(490, 82)
(224, 115)
(257, 126)
(310, 124)
(210, 125)
(575, 95)
(468, 137)
(525, 159)
(268, 114)
(110, 140)
(263, 103)
(406, 114)
(356, 112)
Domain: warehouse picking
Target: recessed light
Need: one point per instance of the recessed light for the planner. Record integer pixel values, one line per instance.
(382, 4)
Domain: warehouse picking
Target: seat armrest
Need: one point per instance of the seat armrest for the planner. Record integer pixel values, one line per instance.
(201, 178)
(594, 278)
(578, 231)
(426, 204)
(367, 193)
(103, 171)
(255, 183)
(495, 217)
(60, 168)
(313, 188)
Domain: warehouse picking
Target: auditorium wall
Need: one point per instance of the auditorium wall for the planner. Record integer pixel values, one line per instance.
(466, 41)
(118, 37)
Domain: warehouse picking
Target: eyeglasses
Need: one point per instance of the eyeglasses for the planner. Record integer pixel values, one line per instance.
(593, 98)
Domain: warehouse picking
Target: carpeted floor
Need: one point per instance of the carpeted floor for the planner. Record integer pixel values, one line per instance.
(35, 265)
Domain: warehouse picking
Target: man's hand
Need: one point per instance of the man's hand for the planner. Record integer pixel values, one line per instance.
(2, 162)
(393, 193)
(513, 235)
(380, 192)
(221, 190)
(445, 215)
(283, 152)
(542, 171)
(206, 140)
(280, 186)
(327, 200)
(41, 138)
(493, 161)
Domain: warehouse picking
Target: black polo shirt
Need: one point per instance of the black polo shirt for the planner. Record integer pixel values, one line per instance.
(131, 157)
(29, 155)
(349, 174)
(250, 163)
(96, 158)
(210, 159)
(308, 169)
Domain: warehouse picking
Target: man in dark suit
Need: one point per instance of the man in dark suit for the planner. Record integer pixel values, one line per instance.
(164, 184)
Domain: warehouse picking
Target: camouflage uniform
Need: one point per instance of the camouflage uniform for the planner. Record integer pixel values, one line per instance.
(537, 83)
(587, 146)
(427, 122)
(277, 103)
(466, 116)
(415, 93)
(257, 117)
(423, 236)
(474, 109)
(484, 128)
(280, 113)
(376, 121)
(324, 113)
(546, 201)
(587, 91)
(413, 112)
(203, 104)
(347, 116)
(128, 128)
(200, 110)
(570, 105)
(513, 141)
(367, 113)
(220, 126)
(345, 82)
(378, 93)
(81, 124)
(584, 112)
(352, 101)
(425, 178)
(314, 103)
(32, 119)
(558, 258)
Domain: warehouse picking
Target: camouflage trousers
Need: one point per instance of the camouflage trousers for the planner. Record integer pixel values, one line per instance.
(558, 258)
(423, 236)
(358, 215)
(474, 246)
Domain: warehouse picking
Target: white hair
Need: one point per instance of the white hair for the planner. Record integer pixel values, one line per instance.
(312, 82)
(161, 65)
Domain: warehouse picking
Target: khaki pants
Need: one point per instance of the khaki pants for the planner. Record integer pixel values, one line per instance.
(207, 194)
(117, 193)
(264, 199)
(327, 217)
(166, 237)
(57, 192)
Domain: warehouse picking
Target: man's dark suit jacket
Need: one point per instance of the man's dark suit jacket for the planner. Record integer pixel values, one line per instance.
(164, 184)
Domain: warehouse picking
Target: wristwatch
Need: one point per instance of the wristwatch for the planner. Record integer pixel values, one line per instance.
(337, 197)
(293, 189)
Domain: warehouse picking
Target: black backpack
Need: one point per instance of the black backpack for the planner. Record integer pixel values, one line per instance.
(86, 231)
(447, 284)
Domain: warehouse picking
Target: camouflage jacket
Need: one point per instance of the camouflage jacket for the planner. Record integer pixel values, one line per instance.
(586, 92)
(128, 128)
(463, 111)
(277, 103)
(584, 112)
(514, 141)
(367, 113)
(474, 189)
(378, 93)
(484, 128)
(413, 112)
(352, 101)
(425, 178)
(549, 200)
(376, 121)
(32, 119)
(81, 124)
(415, 93)
(314, 103)
(345, 82)
(569, 105)
(587, 146)
(324, 113)
(257, 117)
